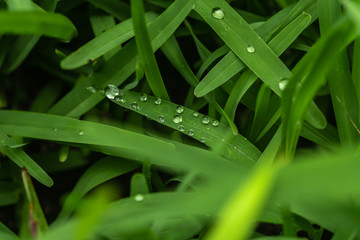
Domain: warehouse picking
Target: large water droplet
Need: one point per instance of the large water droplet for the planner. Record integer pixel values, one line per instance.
(161, 118)
(179, 109)
(205, 120)
(177, 118)
(282, 84)
(112, 91)
(181, 128)
(215, 123)
(218, 13)
(250, 49)
(157, 101)
(195, 114)
(81, 133)
(92, 89)
(139, 197)
(143, 97)
(134, 106)
(120, 99)
(203, 140)
(191, 132)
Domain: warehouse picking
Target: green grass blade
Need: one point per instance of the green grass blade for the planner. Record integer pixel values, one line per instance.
(103, 43)
(211, 59)
(9, 193)
(6, 233)
(145, 51)
(138, 185)
(79, 100)
(20, 5)
(202, 50)
(37, 23)
(200, 127)
(356, 73)
(118, 9)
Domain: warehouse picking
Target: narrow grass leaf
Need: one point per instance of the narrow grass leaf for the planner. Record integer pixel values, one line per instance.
(145, 50)
(356, 72)
(138, 186)
(118, 9)
(79, 100)
(9, 193)
(202, 50)
(103, 43)
(20, 5)
(6, 233)
(211, 59)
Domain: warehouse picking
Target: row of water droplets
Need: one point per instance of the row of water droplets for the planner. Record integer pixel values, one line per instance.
(219, 14)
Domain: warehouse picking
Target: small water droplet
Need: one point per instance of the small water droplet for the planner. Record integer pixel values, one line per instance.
(177, 118)
(195, 114)
(179, 109)
(161, 118)
(112, 91)
(203, 140)
(191, 132)
(215, 123)
(250, 49)
(92, 89)
(282, 84)
(218, 13)
(81, 133)
(139, 197)
(143, 97)
(222, 140)
(134, 106)
(205, 120)
(157, 101)
(120, 99)
(55, 129)
(181, 128)
(207, 128)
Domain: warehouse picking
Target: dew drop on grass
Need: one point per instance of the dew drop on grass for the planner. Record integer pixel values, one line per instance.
(139, 197)
(215, 123)
(282, 84)
(143, 97)
(111, 91)
(161, 118)
(250, 49)
(179, 109)
(91, 89)
(134, 106)
(157, 101)
(205, 120)
(120, 99)
(181, 128)
(81, 133)
(177, 118)
(195, 114)
(191, 132)
(203, 140)
(218, 13)
(55, 129)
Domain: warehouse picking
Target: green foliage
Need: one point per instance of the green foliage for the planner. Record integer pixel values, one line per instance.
(245, 125)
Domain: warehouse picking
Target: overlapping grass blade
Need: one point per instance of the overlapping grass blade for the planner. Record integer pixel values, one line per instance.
(79, 100)
(118, 9)
(211, 59)
(146, 53)
(9, 193)
(138, 185)
(20, 5)
(103, 43)
(37, 23)
(6, 233)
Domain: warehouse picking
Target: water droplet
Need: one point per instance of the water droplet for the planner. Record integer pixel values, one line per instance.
(92, 89)
(143, 97)
(195, 114)
(81, 133)
(205, 120)
(203, 140)
(191, 132)
(157, 101)
(282, 84)
(222, 140)
(134, 106)
(250, 49)
(112, 91)
(215, 123)
(179, 109)
(207, 128)
(218, 13)
(55, 129)
(139, 197)
(181, 128)
(161, 118)
(120, 99)
(177, 118)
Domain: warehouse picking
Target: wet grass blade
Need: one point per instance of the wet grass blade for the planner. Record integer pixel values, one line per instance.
(146, 53)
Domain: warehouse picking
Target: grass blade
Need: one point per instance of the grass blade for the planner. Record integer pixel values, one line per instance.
(118, 9)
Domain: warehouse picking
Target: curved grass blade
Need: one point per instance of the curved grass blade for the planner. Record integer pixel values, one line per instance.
(37, 23)
(103, 43)
(19, 157)
(138, 186)
(145, 51)
(118, 9)
(211, 59)
(198, 126)
(79, 100)
(202, 50)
